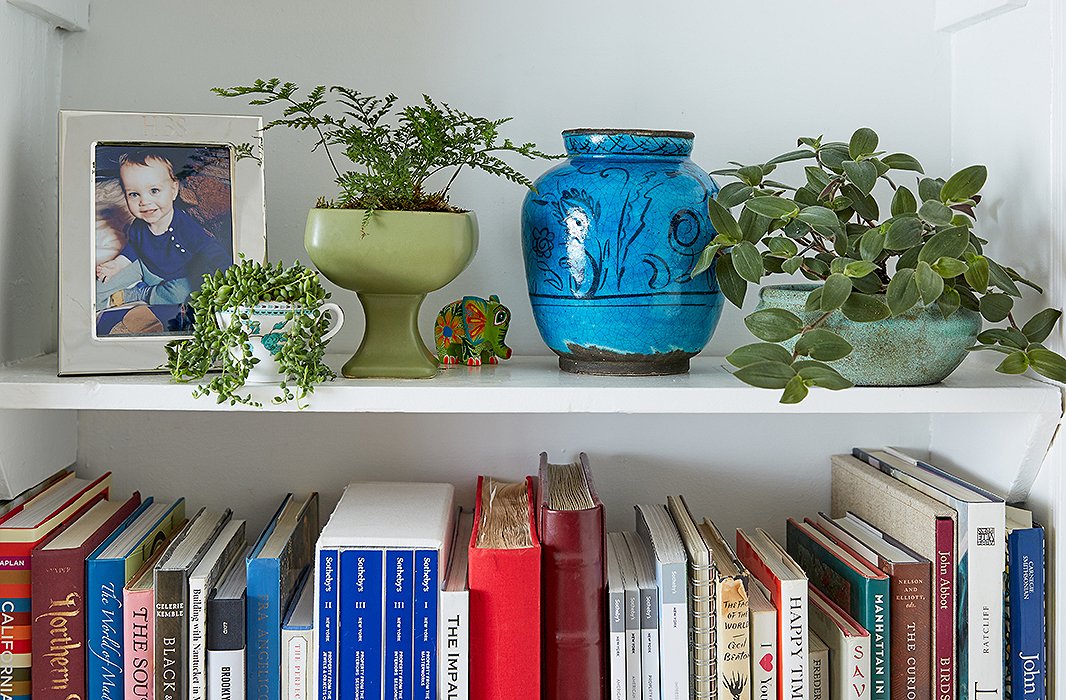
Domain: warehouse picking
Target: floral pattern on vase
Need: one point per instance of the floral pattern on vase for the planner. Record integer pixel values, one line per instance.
(609, 239)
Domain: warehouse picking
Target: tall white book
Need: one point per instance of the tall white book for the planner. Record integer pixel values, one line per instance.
(298, 643)
(981, 558)
(454, 642)
(628, 568)
(762, 618)
(616, 626)
(656, 529)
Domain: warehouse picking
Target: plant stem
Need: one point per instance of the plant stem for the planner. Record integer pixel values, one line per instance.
(810, 327)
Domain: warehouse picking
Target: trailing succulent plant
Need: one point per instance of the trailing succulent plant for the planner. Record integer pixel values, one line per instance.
(395, 153)
(830, 229)
(227, 348)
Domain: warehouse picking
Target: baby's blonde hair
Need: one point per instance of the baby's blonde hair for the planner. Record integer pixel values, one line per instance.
(142, 157)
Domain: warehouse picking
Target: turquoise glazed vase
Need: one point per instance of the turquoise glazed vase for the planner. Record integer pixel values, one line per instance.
(609, 238)
(912, 349)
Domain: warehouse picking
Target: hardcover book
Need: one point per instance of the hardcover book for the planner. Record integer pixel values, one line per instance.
(923, 524)
(1026, 627)
(910, 590)
(107, 571)
(852, 584)
(818, 662)
(786, 582)
(504, 580)
(454, 643)
(849, 647)
(732, 634)
(22, 529)
(58, 607)
(572, 533)
(281, 555)
(171, 574)
(981, 549)
(298, 643)
(226, 641)
(764, 653)
(138, 632)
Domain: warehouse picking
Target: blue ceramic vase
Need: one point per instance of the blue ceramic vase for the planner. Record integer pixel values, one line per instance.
(609, 239)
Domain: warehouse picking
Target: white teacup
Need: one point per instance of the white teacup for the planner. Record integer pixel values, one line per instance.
(266, 326)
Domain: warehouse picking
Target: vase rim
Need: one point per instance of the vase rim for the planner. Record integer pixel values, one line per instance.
(663, 133)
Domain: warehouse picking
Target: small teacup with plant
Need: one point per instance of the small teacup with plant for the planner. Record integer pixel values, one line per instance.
(257, 323)
(924, 254)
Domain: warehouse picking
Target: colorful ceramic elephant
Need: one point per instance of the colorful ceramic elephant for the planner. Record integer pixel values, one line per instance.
(471, 331)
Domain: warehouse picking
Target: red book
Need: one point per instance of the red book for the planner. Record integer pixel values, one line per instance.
(57, 568)
(504, 605)
(21, 530)
(572, 539)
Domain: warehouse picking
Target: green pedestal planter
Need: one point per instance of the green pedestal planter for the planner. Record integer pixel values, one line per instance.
(915, 348)
(402, 257)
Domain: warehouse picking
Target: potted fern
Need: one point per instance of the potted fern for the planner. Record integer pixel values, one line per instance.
(257, 324)
(389, 234)
(894, 296)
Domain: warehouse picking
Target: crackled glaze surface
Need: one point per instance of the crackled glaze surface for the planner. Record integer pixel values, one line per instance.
(609, 238)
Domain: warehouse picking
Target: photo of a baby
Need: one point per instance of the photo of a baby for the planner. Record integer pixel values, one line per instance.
(163, 220)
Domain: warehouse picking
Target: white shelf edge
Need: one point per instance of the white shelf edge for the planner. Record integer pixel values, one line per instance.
(535, 385)
(72, 15)
(953, 15)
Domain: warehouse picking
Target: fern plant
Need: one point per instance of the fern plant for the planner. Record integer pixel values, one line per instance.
(396, 153)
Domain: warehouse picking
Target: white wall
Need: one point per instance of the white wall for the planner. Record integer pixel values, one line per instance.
(30, 60)
(747, 78)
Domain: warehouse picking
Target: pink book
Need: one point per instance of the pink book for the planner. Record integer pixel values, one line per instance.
(138, 633)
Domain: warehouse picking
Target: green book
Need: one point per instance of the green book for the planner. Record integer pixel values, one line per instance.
(851, 583)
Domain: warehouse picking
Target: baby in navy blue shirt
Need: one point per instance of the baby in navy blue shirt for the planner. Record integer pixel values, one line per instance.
(171, 248)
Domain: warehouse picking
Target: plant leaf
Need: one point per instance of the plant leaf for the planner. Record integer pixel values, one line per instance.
(748, 262)
(949, 302)
(871, 244)
(1039, 327)
(766, 374)
(800, 154)
(902, 161)
(792, 264)
(773, 325)
(724, 223)
(759, 352)
(1014, 363)
(795, 391)
(929, 189)
(751, 174)
(976, 274)
(949, 268)
(930, 284)
(822, 344)
(948, 243)
(733, 194)
(706, 259)
(1000, 278)
(732, 285)
(1047, 363)
(822, 376)
(902, 293)
(996, 307)
(772, 207)
(935, 213)
(835, 292)
(863, 143)
(859, 268)
(782, 247)
(903, 202)
(904, 232)
(863, 174)
(865, 308)
(964, 184)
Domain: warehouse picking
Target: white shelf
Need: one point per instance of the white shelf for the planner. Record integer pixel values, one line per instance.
(535, 385)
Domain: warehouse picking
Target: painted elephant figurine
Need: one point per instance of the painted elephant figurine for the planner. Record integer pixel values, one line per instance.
(471, 330)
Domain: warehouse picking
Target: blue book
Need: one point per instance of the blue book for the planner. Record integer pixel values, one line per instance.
(427, 593)
(399, 623)
(359, 662)
(1026, 633)
(328, 570)
(107, 570)
(280, 557)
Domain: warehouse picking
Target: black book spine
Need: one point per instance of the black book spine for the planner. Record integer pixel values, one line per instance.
(225, 623)
(171, 643)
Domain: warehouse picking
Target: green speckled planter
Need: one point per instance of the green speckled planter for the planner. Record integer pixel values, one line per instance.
(402, 257)
(919, 347)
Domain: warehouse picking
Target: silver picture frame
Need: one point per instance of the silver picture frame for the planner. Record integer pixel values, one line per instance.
(88, 142)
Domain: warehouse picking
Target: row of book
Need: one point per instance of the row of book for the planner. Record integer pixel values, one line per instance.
(916, 584)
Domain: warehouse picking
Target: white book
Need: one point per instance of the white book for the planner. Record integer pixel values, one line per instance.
(818, 662)
(226, 677)
(453, 672)
(227, 547)
(649, 618)
(656, 529)
(849, 648)
(298, 644)
(981, 557)
(616, 626)
(632, 613)
(763, 628)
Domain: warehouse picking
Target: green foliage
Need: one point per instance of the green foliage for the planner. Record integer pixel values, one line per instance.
(395, 152)
(828, 227)
(213, 346)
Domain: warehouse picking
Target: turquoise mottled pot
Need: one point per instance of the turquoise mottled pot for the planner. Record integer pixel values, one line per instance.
(918, 347)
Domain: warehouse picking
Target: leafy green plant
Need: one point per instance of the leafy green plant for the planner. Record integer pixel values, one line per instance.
(395, 153)
(830, 228)
(227, 347)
